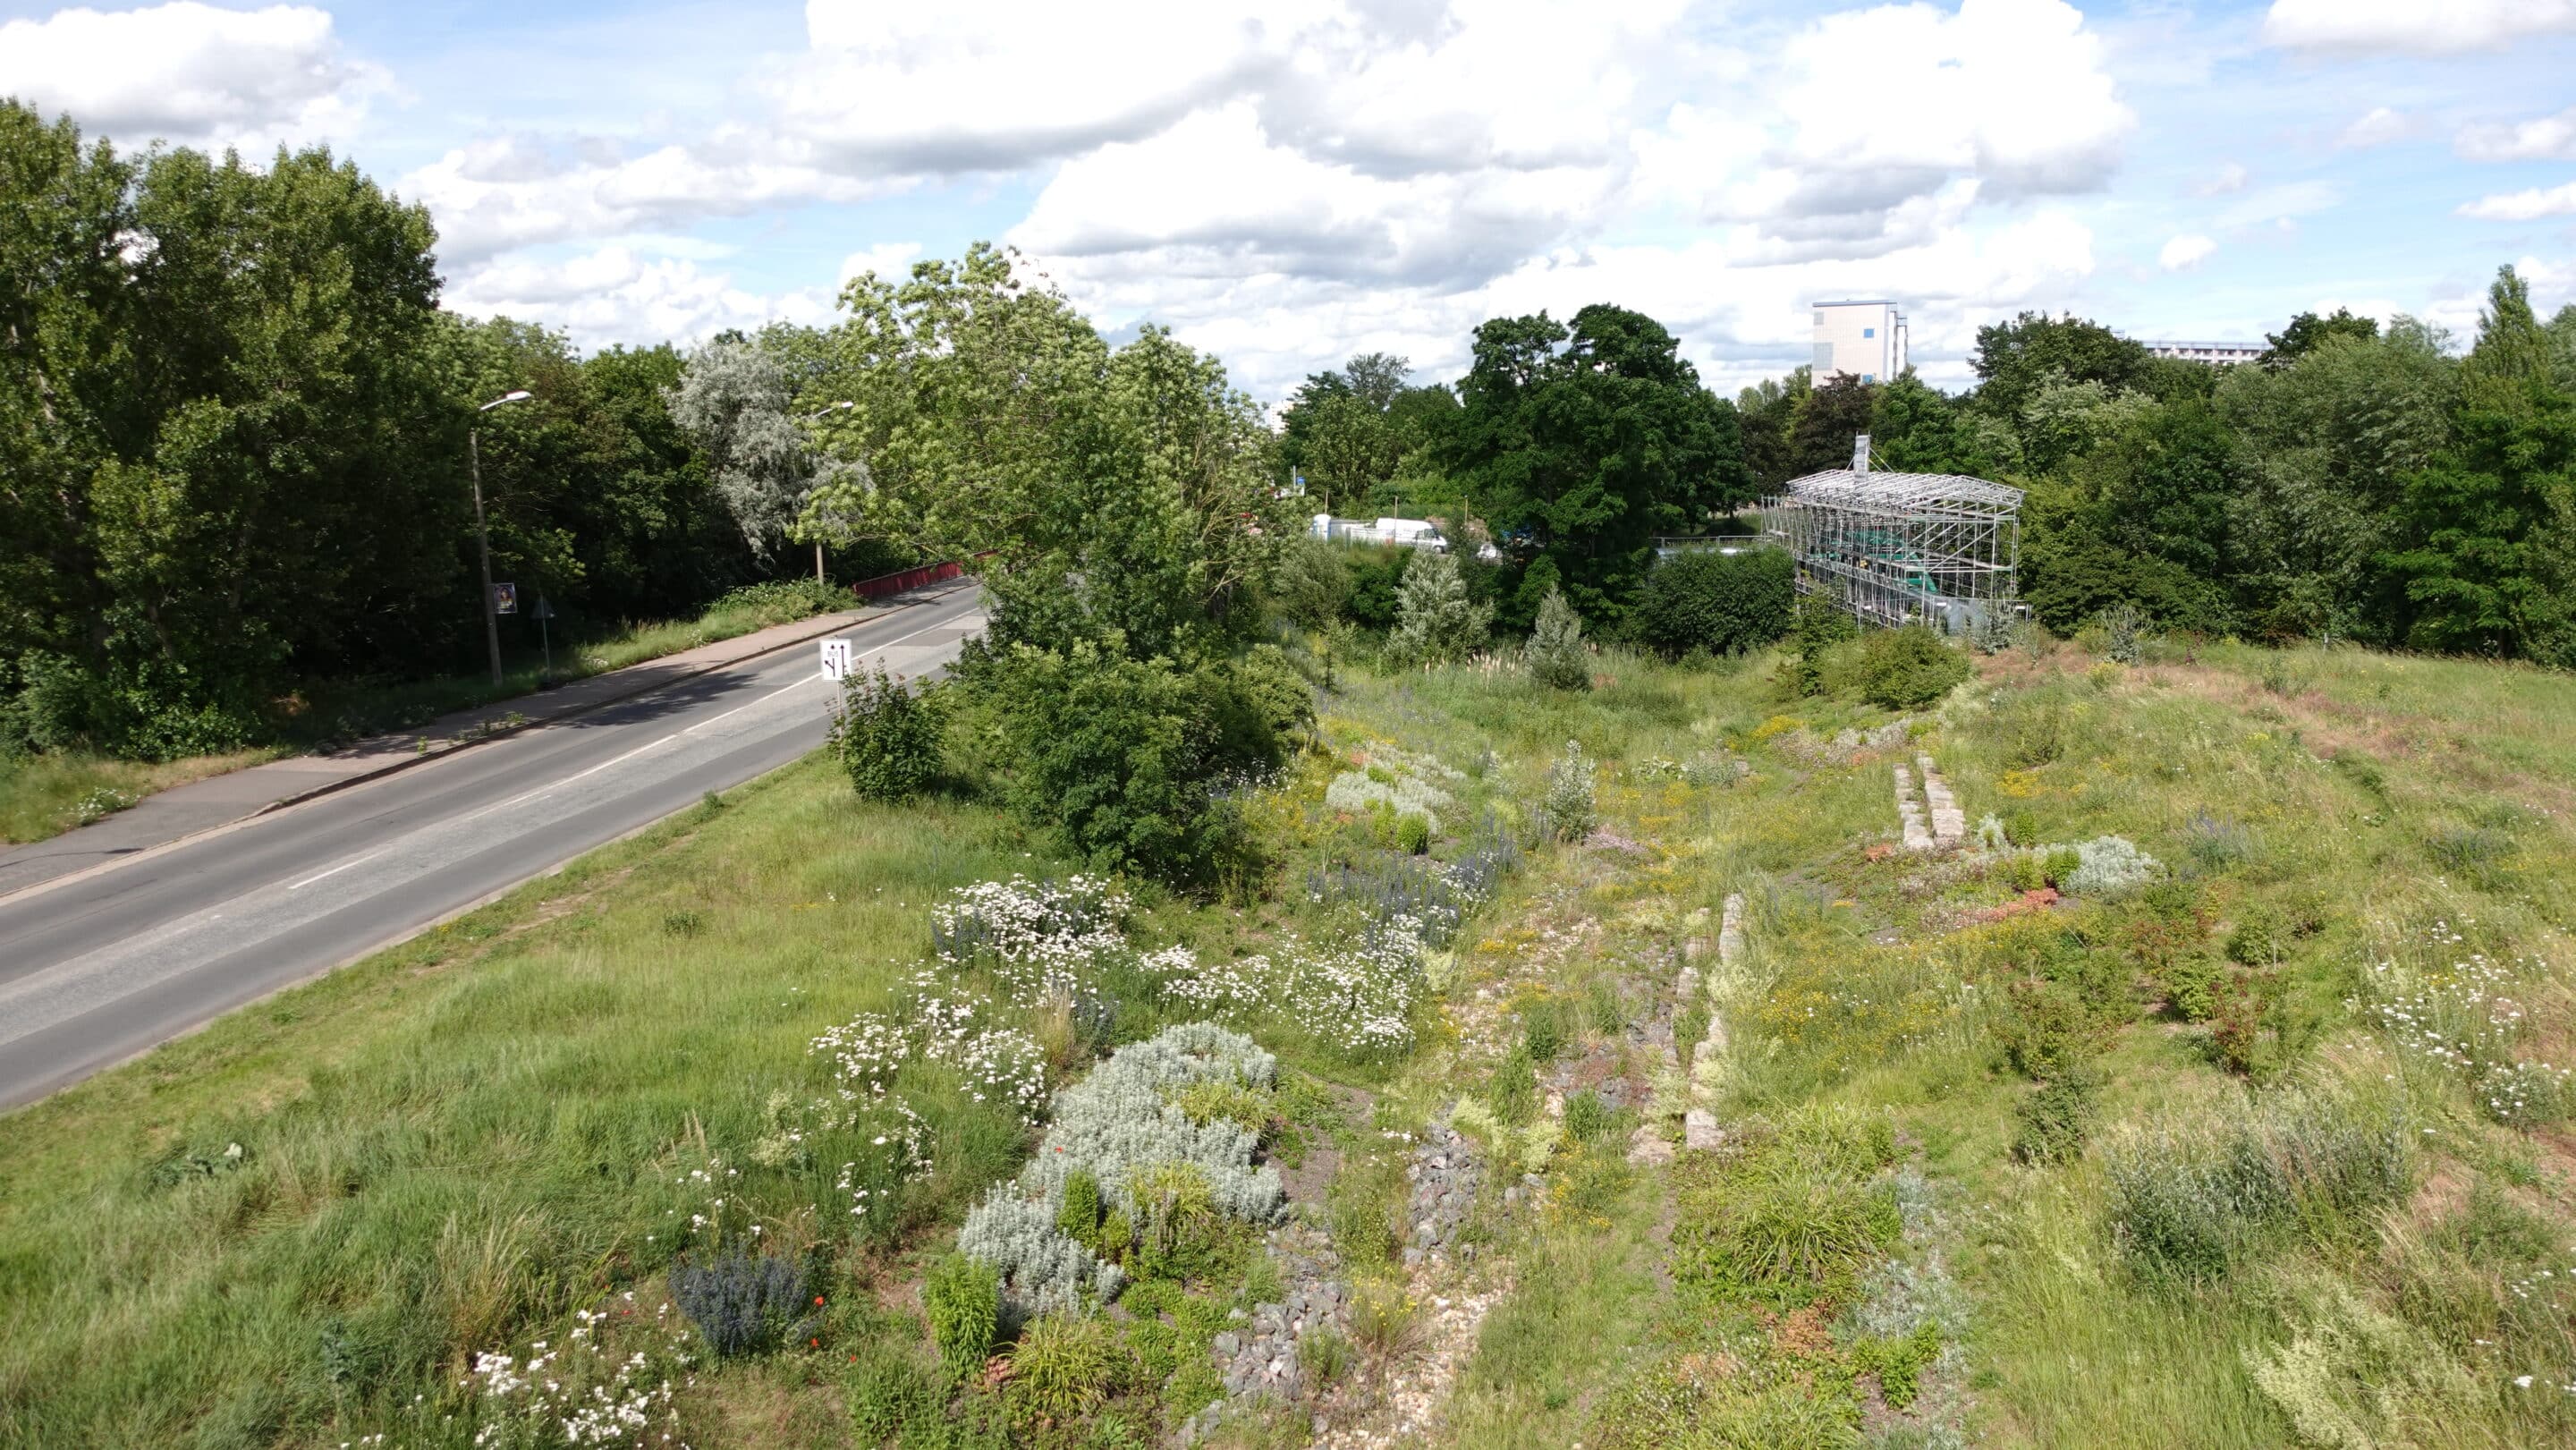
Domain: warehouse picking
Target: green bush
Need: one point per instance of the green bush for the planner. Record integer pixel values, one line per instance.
(890, 1392)
(964, 1299)
(1783, 1225)
(1909, 668)
(1311, 581)
(1078, 1216)
(1555, 656)
(1065, 1365)
(2318, 1162)
(1413, 833)
(2050, 1029)
(1703, 600)
(1898, 1364)
(1129, 760)
(1542, 1029)
(1514, 1090)
(2192, 984)
(887, 737)
(1817, 625)
(2054, 1119)
(2060, 863)
(1587, 1118)
(1374, 575)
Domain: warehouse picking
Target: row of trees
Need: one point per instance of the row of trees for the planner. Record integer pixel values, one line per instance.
(233, 425)
(2355, 484)
(233, 421)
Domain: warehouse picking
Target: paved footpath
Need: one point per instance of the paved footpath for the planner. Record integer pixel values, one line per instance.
(119, 942)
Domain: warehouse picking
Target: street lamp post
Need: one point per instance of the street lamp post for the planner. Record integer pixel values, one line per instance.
(808, 418)
(483, 536)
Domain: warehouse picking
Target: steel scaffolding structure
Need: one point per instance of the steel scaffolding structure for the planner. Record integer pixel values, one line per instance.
(1898, 547)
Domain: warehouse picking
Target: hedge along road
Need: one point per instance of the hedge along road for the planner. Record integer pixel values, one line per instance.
(97, 968)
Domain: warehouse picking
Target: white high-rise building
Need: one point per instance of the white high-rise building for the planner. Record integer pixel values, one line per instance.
(1865, 339)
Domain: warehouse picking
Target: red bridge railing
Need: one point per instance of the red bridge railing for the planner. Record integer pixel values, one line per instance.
(903, 580)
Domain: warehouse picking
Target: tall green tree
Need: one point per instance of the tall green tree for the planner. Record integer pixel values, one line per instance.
(1835, 412)
(1582, 444)
(1765, 414)
(2323, 449)
(1123, 494)
(226, 435)
(2485, 531)
(2307, 332)
(1915, 428)
(2015, 360)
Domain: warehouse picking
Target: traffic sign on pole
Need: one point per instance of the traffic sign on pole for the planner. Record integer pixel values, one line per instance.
(836, 659)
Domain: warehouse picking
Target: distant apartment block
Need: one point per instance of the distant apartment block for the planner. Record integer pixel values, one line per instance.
(1865, 339)
(2214, 353)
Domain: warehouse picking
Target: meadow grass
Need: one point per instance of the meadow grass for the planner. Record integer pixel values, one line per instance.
(460, 1137)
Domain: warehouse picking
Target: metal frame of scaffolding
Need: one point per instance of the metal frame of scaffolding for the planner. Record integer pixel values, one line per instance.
(1894, 548)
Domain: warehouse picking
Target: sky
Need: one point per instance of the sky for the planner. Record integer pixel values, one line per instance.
(1291, 182)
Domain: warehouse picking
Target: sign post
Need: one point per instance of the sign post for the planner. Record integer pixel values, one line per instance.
(545, 637)
(836, 659)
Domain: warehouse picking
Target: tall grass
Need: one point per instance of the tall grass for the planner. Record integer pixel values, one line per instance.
(477, 1132)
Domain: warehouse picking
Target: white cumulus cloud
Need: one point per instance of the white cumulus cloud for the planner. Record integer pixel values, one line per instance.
(192, 74)
(2523, 206)
(2185, 251)
(515, 191)
(2544, 138)
(2413, 27)
(622, 293)
(2376, 127)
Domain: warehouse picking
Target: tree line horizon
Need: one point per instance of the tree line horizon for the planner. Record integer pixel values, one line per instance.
(234, 415)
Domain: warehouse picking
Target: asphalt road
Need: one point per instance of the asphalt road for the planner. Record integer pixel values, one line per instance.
(98, 968)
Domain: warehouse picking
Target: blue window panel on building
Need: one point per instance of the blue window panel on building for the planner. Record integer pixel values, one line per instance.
(1869, 332)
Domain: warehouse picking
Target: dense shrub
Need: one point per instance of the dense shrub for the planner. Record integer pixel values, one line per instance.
(1815, 627)
(1311, 581)
(964, 1300)
(1703, 600)
(1909, 668)
(889, 1391)
(2054, 1119)
(1795, 1216)
(1375, 574)
(1065, 1364)
(1555, 656)
(1435, 619)
(2051, 1028)
(742, 1303)
(1129, 760)
(887, 737)
(1567, 807)
(2189, 1200)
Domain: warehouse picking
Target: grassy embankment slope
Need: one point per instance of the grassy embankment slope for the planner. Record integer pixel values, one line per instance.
(2331, 1211)
(2293, 1216)
(44, 795)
